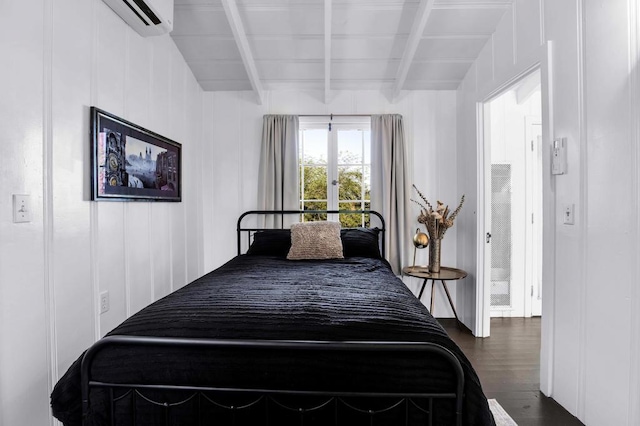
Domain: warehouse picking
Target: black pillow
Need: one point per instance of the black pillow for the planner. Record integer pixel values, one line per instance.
(356, 242)
(271, 242)
(360, 242)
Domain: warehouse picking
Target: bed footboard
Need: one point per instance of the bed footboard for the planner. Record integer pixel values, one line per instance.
(337, 401)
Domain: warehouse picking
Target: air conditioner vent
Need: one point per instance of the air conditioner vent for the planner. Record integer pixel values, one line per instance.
(147, 11)
(147, 17)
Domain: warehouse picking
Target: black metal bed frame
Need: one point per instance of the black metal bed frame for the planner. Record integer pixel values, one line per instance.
(269, 397)
(240, 229)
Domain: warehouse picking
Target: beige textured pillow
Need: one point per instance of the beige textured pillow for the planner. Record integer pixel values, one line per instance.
(315, 240)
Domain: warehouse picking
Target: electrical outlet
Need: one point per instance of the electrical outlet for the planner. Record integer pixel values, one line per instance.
(104, 302)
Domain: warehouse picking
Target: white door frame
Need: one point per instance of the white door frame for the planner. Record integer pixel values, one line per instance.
(533, 244)
(549, 225)
(484, 203)
(482, 328)
(483, 292)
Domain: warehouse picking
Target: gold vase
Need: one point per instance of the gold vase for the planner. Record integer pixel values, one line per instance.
(434, 255)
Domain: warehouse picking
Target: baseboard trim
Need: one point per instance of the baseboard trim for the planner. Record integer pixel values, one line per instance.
(452, 322)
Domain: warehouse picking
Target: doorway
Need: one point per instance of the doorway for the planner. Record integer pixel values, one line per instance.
(513, 199)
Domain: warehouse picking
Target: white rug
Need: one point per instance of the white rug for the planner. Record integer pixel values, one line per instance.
(501, 416)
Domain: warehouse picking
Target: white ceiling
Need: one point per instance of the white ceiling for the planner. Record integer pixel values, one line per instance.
(366, 44)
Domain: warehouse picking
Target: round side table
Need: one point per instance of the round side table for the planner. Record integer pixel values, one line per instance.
(445, 274)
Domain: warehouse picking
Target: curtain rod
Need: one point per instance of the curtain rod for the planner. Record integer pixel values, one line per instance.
(335, 115)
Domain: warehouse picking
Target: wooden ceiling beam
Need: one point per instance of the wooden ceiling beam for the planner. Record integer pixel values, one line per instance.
(240, 36)
(417, 29)
(327, 50)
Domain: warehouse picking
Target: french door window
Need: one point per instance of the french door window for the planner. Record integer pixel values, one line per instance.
(335, 169)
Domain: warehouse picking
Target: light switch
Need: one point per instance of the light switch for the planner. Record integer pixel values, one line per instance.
(104, 301)
(21, 208)
(569, 214)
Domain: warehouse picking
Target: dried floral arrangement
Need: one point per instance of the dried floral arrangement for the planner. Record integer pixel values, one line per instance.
(436, 220)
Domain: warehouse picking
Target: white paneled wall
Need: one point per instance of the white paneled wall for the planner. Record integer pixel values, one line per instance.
(591, 329)
(59, 58)
(233, 122)
(609, 172)
(24, 355)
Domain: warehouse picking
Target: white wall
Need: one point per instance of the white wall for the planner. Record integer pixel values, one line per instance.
(591, 326)
(59, 58)
(233, 121)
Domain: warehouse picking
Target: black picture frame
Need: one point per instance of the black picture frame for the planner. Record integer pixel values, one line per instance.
(131, 163)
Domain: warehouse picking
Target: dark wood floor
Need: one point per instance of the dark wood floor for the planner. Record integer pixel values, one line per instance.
(508, 364)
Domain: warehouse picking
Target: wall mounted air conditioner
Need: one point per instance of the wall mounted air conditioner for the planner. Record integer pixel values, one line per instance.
(147, 17)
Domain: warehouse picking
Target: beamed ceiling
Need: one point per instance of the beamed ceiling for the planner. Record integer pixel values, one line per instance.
(333, 44)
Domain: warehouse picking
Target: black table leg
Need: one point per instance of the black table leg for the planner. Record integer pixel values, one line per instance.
(424, 283)
(446, 290)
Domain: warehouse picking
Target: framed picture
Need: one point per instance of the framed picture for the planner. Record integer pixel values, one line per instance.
(131, 163)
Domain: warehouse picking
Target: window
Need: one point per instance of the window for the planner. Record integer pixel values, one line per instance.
(335, 169)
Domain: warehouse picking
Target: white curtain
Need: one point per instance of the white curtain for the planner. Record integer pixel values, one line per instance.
(278, 173)
(390, 187)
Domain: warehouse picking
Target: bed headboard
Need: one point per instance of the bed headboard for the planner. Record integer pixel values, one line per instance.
(263, 213)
